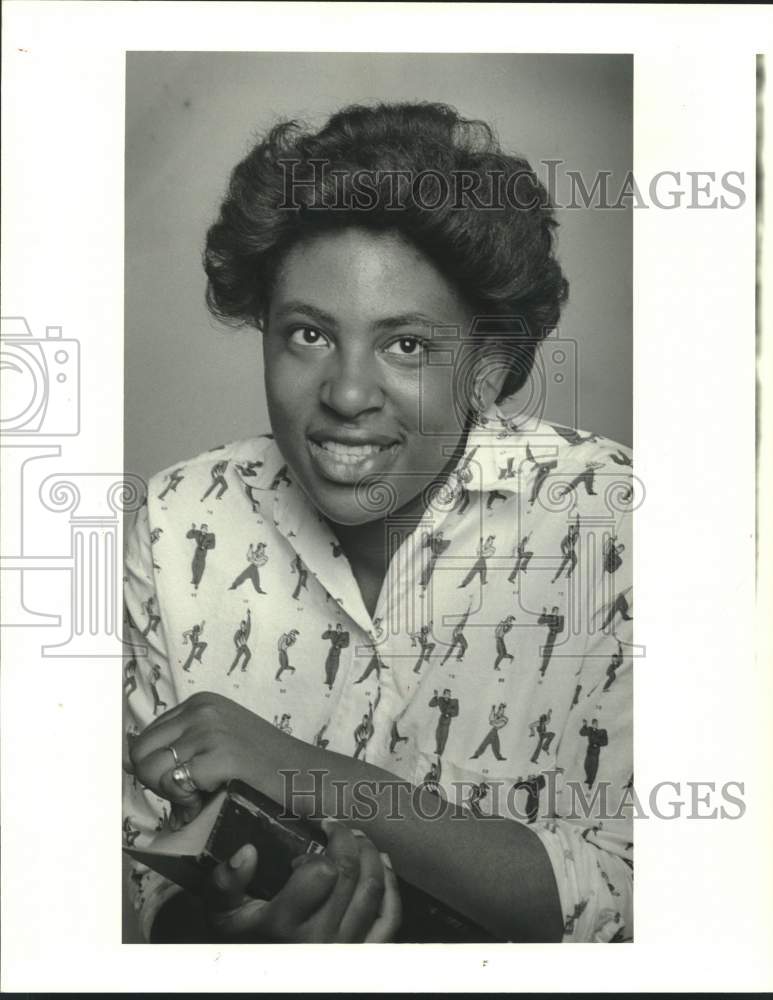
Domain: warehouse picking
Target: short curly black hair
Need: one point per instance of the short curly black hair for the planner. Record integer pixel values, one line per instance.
(440, 180)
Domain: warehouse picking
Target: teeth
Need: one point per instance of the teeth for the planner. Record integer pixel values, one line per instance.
(351, 452)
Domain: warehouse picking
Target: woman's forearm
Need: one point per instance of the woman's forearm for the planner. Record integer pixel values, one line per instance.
(493, 870)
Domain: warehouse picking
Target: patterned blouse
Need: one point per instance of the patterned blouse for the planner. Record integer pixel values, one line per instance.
(496, 668)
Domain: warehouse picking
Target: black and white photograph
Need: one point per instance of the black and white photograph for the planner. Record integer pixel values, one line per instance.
(402, 598)
(361, 364)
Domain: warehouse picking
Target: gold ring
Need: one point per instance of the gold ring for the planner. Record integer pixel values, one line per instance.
(183, 778)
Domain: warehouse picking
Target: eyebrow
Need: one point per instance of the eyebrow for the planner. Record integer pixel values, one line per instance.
(386, 323)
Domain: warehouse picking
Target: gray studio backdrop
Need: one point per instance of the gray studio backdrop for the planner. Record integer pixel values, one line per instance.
(190, 383)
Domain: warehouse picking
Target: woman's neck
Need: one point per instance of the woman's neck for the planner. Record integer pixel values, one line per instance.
(369, 546)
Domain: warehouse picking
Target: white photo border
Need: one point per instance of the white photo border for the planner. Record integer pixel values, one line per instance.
(702, 914)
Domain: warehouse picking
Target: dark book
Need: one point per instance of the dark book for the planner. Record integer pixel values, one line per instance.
(240, 815)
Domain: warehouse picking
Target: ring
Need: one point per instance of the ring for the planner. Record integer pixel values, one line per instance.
(183, 778)
(173, 752)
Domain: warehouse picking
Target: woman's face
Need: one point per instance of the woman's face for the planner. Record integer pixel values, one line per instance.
(358, 387)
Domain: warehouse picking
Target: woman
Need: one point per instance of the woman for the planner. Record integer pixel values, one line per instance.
(401, 270)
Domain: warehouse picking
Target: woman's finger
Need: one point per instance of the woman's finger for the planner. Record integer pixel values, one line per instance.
(166, 718)
(343, 849)
(151, 768)
(151, 740)
(245, 923)
(228, 882)
(181, 814)
(365, 903)
(301, 859)
(207, 771)
(387, 924)
(163, 731)
(289, 916)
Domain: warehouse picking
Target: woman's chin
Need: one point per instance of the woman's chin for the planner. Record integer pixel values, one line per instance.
(367, 500)
(351, 513)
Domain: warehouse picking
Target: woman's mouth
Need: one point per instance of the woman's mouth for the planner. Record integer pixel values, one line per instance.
(348, 463)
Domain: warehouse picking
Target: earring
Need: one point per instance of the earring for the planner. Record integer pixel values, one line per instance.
(479, 405)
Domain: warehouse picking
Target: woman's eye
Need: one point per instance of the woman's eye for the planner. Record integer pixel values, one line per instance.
(405, 347)
(307, 336)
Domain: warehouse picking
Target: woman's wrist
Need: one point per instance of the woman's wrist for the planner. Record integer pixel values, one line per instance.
(261, 763)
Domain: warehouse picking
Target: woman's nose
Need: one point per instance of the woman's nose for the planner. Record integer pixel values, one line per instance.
(351, 387)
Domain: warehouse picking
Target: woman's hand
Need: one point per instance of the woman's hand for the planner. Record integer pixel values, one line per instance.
(349, 894)
(214, 736)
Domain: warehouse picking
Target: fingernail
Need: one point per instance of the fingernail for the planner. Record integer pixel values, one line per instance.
(253, 906)
(328, 823)
(387, 861)
(239, 858)
(326, 868)
(358, 833)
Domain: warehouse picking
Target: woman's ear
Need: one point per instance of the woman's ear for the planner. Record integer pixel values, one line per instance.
(487, 383)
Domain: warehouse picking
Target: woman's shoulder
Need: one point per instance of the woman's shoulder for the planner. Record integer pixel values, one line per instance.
(209, 492)
(568, 445)
(584, 446)
(247, 457)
